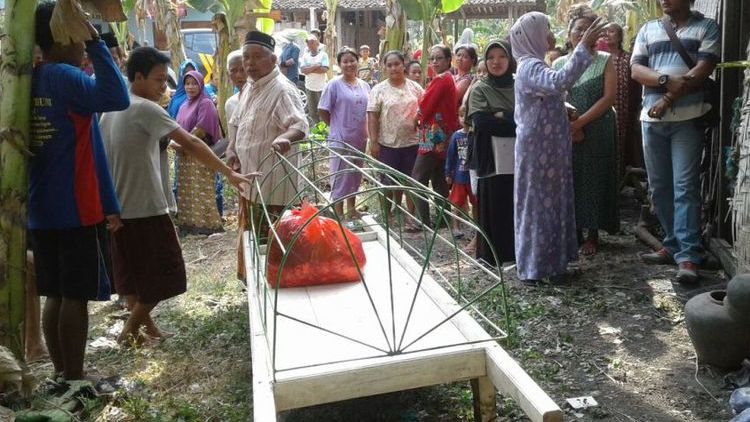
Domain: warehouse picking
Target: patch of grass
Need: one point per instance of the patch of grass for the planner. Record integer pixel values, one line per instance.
(138, 408)
(91, 406)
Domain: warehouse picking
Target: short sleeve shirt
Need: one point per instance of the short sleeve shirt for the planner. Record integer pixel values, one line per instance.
(397, 108)
(347, 105)
(315, 81)
(653, 49)
(131, 139)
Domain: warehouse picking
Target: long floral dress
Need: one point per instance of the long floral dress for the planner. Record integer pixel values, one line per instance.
(544, 201)
(594, 159)
(627, 103)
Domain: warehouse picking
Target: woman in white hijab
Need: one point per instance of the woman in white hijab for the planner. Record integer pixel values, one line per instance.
(544, 203)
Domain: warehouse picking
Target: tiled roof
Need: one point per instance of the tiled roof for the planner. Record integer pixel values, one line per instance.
(377, 4)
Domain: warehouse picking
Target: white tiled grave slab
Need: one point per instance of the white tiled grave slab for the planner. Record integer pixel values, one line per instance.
(312, 366)
(347, 309)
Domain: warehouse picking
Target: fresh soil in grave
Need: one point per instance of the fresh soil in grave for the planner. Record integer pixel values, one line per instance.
(616, 333)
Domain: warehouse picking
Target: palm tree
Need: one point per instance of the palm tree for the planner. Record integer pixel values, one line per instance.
(15, 108)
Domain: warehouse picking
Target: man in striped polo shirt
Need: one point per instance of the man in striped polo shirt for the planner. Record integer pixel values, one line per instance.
(673, 103)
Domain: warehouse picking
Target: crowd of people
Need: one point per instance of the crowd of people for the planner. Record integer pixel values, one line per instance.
(533, 148)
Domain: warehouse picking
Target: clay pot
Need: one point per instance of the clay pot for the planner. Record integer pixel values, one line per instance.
(737, 301)
(719, 339)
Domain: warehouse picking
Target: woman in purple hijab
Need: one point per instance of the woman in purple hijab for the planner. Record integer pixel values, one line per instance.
(544, 204)
(196, 208)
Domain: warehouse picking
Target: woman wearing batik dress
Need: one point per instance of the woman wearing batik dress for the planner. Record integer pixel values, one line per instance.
(438, 119)
(594, 150)
(196, 202)
(627, 103)
(544, 201)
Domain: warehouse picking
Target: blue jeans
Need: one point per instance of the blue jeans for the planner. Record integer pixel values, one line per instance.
(672, 151)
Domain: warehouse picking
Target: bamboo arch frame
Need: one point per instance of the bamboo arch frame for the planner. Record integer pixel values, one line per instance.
(299, 167)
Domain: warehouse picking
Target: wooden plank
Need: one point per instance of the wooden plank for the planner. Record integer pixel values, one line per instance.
(511, 380)
(264, 402)
(367, 378)
(725, 253)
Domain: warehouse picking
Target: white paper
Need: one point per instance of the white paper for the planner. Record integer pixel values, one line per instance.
(504, 150)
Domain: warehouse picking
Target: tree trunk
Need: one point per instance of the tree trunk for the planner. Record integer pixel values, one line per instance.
(15, 110)
(395, 27)
(330, 33)
(166, 20)
(427, 17)
(220, 26)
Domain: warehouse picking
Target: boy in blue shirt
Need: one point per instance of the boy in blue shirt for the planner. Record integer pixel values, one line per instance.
(457, 175)
(72, 201)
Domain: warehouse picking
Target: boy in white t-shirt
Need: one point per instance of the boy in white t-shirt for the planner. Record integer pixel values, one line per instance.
(146, 254)
(315, 67)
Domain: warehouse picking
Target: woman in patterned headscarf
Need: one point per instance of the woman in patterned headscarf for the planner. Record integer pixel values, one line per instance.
(544, 208)
(196, 203)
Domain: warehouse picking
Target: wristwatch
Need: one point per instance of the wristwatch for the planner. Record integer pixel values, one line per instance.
(663, 80)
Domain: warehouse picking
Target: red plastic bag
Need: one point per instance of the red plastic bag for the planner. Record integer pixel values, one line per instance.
(319, 256)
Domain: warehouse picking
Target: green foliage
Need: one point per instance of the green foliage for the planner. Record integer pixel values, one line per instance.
(486, 30)
(234, 9)
(319, 132)
(630, 14)
(421, 9)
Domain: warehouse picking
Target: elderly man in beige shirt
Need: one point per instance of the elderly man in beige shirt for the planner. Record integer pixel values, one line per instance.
(269, 117)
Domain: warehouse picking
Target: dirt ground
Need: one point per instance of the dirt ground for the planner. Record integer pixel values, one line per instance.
(616, 333)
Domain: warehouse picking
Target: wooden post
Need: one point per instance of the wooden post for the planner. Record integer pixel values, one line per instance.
(485, 406)
(222, 29)
(15, 110)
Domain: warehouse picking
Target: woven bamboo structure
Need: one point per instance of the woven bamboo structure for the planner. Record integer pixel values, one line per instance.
(741, 202)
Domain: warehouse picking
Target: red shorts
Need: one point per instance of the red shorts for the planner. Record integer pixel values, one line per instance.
(459, 193)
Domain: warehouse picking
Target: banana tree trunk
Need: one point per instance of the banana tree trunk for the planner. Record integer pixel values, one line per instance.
(15, 108)
(220, 26)
(330, 33)
(166, 20)
(427, 17)
(395, 27)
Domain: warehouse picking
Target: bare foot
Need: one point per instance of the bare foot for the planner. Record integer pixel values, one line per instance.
(36, 355)
(138, 341)
(156, 333)
(589, 247)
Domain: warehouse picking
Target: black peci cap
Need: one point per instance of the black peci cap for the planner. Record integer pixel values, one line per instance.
(257, 37)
